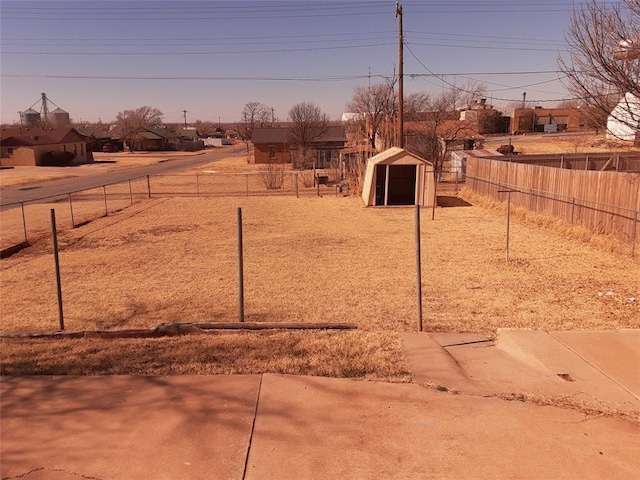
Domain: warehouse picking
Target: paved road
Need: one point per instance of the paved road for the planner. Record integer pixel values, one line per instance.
(27, 193)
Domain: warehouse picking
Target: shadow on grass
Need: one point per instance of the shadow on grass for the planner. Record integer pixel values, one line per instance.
(450, 201)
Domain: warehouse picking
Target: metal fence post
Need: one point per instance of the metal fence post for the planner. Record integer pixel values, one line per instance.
(246, 180)
(418, 269)
(73, 223)
(573, 207)
(56, 261)
(297, 194)
(634, 235)
(106, 208)
(240, 269)
(130, 193)
(148, 187)
(197, 185)
(24, 222)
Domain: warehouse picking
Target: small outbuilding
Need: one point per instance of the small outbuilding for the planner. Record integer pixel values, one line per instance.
(398, 177)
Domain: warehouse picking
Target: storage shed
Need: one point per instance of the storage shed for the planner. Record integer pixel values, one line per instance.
(398, 177)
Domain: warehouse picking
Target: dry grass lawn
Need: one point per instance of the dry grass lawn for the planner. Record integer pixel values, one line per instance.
(306, 260)
(534, 144)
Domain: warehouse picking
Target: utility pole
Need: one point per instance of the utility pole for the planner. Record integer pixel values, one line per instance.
(400, 138)
(185, 118)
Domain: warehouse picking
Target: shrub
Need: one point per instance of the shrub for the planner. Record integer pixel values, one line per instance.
(57, 159)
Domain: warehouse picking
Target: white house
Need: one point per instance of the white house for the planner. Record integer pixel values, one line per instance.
(624, 121)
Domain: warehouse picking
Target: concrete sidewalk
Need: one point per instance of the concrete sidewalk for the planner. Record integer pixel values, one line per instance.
(284, 427)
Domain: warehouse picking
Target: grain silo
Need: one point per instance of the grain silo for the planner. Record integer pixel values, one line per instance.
(59, 118)
(30, 118)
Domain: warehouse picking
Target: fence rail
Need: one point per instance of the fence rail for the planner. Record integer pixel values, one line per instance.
(24, 222)
(603, 202)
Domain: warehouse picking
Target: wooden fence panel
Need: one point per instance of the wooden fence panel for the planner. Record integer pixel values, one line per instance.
(602, 201)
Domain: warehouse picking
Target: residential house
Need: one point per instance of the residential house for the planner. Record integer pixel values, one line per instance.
(43, 147)
(624, 121)
(272, 145)
(525, 120)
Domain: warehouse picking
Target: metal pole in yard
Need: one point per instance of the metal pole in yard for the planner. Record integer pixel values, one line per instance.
(246, 181)
(56, 260)
(130, 193)
(240, 269)
(106, 208)
(24, 222)
(508, 223)
(634, 235)
(573, 208)
(197, 185)
(418, 269)
(73, 223)
(148, 187)
(297, 194)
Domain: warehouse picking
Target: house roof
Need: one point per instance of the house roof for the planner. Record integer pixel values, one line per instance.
(40, 136)
(334, 133)
(270, 135)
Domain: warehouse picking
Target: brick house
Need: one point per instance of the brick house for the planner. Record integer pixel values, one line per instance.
(272, 145)
(526, 120)
(42, 147)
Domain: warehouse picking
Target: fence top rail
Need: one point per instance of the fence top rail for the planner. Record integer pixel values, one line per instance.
(626, 156)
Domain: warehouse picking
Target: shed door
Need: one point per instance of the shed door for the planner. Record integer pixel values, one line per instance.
(381, 181)
(402, 185)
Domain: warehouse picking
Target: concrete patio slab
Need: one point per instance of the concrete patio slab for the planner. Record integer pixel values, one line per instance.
(121, 427)
(615, 353)
(311, 428)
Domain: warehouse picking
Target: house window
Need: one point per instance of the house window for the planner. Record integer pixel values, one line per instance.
(64, 148)
(272, 152)
(75, 149)
(10, 151)
(82, 149)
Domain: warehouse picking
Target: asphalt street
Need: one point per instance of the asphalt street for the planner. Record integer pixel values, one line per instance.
(34, 192)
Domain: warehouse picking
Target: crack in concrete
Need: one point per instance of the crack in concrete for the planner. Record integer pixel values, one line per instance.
(253, 426)
(59, 470)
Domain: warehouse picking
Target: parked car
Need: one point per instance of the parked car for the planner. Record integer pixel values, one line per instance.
(109, 148)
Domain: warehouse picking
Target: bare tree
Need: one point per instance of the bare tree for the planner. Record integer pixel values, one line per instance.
(374, 110)
(308, 125)
(604, 49)
(431, 137)
(254, 115)
(206, 128)
(416, 104)
(464, 96)
(130, 123)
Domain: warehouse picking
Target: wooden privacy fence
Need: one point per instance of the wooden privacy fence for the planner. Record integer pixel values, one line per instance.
(602, 201)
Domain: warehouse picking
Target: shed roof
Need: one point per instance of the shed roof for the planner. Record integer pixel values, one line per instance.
(397, 154)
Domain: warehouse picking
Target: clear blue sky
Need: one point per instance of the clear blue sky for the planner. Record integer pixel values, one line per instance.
(96, 58)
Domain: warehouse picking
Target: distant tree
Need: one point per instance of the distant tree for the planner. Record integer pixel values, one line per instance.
(604, 56)
(130, 123)
(465, 95)
(206, 128)
(374, 110)
(415, 104)
(307, 125)
(254, 115)
(431, 137)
